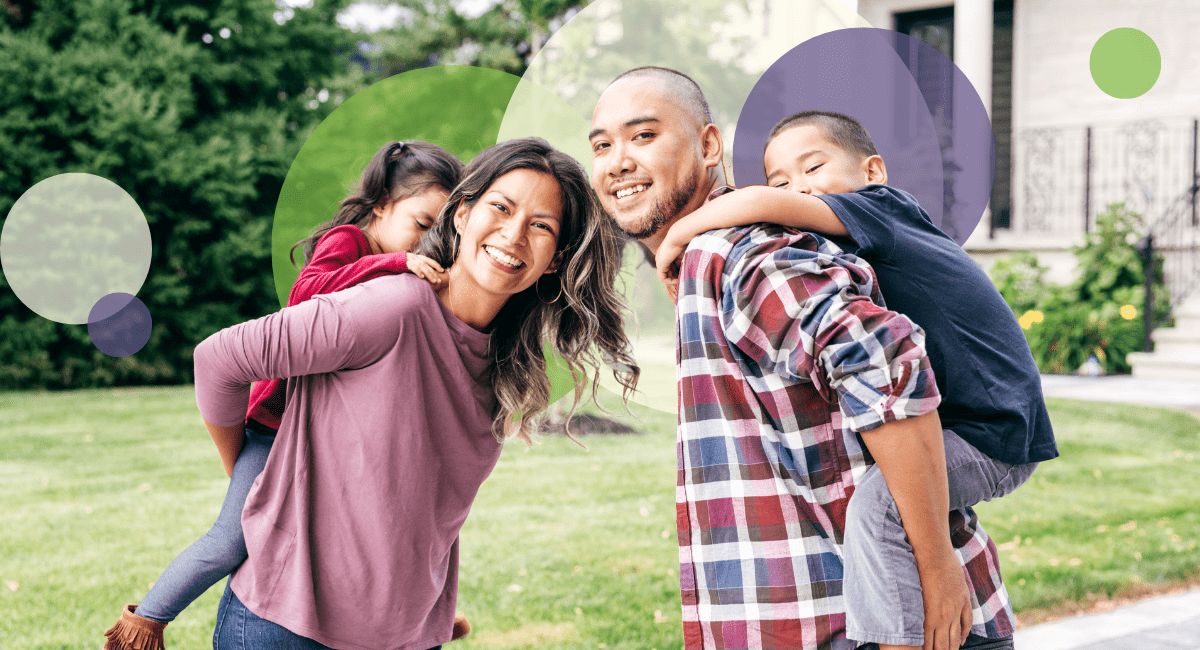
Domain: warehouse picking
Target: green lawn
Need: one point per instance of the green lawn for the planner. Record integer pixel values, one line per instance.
(564, 549)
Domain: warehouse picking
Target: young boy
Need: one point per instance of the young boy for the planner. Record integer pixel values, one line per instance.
(824, 175)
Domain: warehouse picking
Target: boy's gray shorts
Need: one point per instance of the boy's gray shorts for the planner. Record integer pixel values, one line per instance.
(881, 586)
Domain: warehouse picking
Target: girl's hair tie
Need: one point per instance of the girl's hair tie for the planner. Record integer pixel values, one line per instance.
(396, 148)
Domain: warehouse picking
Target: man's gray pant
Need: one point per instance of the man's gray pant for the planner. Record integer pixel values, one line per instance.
(881, 585)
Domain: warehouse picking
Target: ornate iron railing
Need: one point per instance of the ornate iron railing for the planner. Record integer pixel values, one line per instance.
(1176, 237)
(1064, 175)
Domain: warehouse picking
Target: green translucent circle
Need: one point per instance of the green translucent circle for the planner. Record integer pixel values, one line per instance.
(457, 107)
(1125, 63)
(723, 48)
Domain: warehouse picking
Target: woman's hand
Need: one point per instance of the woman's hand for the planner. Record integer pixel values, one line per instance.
(426, 269)
(229, 443)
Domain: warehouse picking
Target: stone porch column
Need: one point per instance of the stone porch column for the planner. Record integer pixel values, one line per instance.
(973, 45)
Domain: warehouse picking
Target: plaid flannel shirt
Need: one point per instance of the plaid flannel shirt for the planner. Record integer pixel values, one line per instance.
(784, 353)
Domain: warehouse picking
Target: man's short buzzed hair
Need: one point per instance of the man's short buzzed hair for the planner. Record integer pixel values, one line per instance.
(845, 131)
(691, 98)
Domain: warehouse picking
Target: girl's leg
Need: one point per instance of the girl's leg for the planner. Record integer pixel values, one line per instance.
(219, 551)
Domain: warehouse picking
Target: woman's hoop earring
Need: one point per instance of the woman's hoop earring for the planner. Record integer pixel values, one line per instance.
(454, 253)
(538, 290)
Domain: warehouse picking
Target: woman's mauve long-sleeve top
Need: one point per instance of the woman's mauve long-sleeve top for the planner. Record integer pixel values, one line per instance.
(342, 258)
(351, 528)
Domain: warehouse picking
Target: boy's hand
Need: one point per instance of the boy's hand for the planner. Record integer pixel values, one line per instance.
(667, 261)
(426, 269)
(947, 603)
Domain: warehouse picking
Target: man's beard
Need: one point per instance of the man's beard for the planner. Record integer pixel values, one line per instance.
(665, 211)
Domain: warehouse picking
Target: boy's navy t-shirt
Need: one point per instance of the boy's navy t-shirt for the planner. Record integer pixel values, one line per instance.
(990, 386)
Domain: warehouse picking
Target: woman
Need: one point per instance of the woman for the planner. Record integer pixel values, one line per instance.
(401, 398)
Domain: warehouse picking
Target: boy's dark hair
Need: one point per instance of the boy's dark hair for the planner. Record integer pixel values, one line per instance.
(684, 88)
(845, 131)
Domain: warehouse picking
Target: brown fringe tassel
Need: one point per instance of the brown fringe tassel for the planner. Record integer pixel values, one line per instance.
(132, 632)
(461, 626)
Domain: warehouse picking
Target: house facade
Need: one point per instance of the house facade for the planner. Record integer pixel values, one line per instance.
(1065, 149)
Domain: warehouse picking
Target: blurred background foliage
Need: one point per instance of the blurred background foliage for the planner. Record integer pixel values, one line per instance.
(197, 110)
(1100, 313)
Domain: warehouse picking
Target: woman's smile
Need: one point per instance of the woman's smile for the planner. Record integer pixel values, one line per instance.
(504, 261)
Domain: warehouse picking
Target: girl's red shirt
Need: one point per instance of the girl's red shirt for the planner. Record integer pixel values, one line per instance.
(341, 259)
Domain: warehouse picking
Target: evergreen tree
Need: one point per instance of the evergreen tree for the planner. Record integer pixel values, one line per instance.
(196, 109)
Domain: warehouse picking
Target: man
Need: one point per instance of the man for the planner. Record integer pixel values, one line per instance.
(785, 356)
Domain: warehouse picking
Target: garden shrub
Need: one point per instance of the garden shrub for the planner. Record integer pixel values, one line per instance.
(1100, 313)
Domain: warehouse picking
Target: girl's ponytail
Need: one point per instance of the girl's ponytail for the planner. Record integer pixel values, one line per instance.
(397, 171)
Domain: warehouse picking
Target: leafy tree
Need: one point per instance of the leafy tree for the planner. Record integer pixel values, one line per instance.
(196, 109)
(505, 37)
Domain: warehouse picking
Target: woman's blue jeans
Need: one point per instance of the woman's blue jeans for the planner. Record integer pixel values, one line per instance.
(240, 629)
(221, 549)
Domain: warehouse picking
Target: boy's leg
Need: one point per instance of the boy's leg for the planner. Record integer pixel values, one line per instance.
(881, 585)
(219, 551)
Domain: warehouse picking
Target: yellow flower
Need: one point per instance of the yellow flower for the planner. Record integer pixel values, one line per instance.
(1128, 312)
(1029, 318)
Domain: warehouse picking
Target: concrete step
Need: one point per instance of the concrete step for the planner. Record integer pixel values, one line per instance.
(1167, 367)
(1187, 322)
(1172, 341)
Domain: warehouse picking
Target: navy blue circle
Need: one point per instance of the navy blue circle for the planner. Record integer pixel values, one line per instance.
(119, 324)
(926, 119)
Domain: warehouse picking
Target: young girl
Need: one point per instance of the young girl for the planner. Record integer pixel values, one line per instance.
(401, 192)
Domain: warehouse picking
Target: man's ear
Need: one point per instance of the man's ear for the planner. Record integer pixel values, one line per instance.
(876, 170)
(711, 146)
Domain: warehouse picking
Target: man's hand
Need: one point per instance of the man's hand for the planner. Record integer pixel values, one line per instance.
(912, 457)
(947, 602)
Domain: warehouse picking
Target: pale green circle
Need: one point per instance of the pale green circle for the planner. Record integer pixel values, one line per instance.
(1125, 63)
(69, 241)
(724, 48)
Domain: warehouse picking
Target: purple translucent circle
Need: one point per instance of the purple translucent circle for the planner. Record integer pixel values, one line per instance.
(926, 119)
(119, 324)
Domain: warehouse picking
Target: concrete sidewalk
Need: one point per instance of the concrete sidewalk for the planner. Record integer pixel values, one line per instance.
(1124, 389)
(1169, 622)
(1162, 623)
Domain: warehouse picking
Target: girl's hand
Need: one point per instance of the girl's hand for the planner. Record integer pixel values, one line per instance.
(426, 269)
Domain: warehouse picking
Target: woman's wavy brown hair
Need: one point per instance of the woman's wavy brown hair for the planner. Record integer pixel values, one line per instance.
(589, 314)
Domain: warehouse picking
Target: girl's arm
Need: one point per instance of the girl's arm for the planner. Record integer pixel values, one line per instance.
(749, 205)
(343, 259)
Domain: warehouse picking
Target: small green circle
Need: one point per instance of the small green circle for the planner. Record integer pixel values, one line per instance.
(1125, 63)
